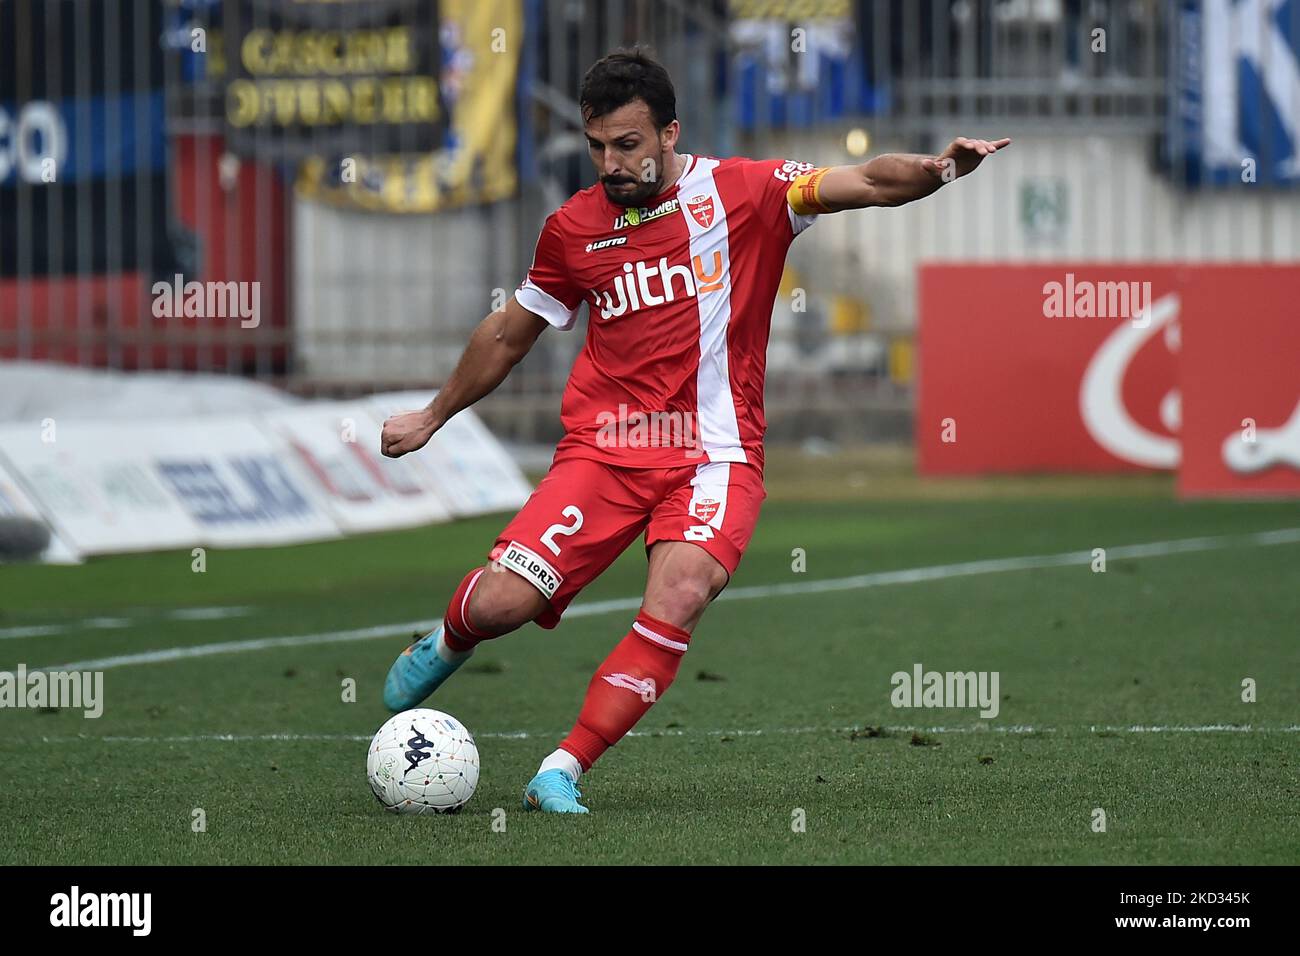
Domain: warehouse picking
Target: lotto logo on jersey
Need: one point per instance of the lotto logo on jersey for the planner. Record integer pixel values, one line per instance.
(789, 171)
(643, 687)
(644, 284)
(606, 243)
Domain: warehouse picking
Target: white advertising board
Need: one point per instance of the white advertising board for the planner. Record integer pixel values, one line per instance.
(474, 473)
(337, 445)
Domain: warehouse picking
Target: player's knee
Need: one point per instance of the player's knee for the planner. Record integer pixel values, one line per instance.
(503, 601)
(682, 598)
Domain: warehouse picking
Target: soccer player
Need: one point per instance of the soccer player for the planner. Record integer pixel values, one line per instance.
(679, 258)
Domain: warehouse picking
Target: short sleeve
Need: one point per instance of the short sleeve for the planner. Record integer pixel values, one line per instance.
(769, 180)
(549, 289)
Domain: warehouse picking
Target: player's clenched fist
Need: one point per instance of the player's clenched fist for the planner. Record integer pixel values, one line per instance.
(406, 431)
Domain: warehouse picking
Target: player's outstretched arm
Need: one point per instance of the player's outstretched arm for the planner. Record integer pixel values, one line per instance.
(495, 347)
(896, 178)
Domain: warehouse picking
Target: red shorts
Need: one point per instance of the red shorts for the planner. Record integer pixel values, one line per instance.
(585, 513)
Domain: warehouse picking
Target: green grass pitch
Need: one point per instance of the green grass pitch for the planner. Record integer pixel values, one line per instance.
(777, 744)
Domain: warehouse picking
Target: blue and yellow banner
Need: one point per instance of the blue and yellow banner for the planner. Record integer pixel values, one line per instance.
(346, 75)
(481, 43)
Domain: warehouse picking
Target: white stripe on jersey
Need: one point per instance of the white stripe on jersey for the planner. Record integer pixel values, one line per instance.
(540, 302)
(719, 431)
(710, 484)
(799, 223)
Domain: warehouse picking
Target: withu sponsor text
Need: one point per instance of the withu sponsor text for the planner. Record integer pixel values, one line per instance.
(646, 284)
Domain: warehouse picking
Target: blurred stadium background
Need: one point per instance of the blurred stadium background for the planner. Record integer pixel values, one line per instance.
(378, 173)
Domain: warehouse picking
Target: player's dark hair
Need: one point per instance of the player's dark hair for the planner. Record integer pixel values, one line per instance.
(625, 75)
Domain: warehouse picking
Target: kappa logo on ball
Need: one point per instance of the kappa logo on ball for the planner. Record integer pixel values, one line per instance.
(701, 210)
(532, 566)
(418, 751)
(704, 508)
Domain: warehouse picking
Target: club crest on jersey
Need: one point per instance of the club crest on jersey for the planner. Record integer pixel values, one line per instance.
(704, 508)
(635, 217)
(701, 210)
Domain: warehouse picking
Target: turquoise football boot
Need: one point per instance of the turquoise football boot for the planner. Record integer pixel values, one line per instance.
(417, 673)
(553, 792)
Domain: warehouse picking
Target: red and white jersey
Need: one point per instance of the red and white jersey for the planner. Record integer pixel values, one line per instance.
(680, 296)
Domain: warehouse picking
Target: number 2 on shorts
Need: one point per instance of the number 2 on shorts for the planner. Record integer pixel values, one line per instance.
(548, 537)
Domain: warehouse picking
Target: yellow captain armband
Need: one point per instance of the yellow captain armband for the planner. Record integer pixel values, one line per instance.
(804, 194)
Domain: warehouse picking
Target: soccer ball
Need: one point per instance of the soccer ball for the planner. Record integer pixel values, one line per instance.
(423, 761)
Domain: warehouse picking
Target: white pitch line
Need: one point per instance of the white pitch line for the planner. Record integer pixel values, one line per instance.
(856, 582)
(1206, 729)
(256, 644)
(207, 613)
(35, 630)
(99, 623)
(677, 732)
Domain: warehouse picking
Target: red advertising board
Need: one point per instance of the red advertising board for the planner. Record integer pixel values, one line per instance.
(1241, 382)
(1015, 375)
(1111, 367)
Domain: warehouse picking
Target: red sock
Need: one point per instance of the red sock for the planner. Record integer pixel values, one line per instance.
(624, 687)
(458, 631)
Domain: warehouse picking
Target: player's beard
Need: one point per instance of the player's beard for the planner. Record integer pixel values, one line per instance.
(630, 198)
